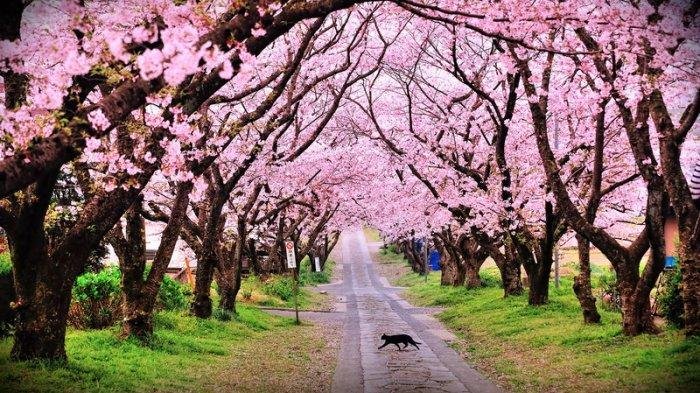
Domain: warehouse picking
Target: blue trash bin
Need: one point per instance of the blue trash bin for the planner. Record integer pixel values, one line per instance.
(434, 260)
(670, 262)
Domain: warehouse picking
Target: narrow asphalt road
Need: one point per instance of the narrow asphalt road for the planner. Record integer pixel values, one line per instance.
(373, 308)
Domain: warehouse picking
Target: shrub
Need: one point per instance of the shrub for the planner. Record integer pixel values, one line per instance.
(5, 264)
(490, 278)
(671, 300)
(223, 315)
(281, 287)
(96, 299)
(97, 286)
(7, 294)
(173, 295)
(609, 295)
(307, 277)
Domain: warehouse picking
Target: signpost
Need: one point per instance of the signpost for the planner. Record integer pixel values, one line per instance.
(317, 263)
(292, 264)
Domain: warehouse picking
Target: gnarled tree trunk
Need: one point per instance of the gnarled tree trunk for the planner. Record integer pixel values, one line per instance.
(473, 258)
(582, 282)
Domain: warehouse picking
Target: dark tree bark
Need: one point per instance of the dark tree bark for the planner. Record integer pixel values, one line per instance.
(473, 257)
(10, 19)
(634, 289)
(139, 294)
(582, 282)
(452, 270)
(507, 262)
(671, 139)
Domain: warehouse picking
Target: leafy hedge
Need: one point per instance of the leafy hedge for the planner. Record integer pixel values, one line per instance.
(671, 300)
(97, 298)
(281, 287)
(7, 294)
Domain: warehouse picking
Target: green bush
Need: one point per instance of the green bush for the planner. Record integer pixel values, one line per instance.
(282, 287)
(390, 248)
(307, 277)
(5, 264)
(490, 278)
(97, 286)
(607, 286)
(173, 295)
(7, 294)
(96, 299)
(223, 315)
(671, 300)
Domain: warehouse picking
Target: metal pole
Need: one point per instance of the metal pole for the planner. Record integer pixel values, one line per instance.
(296, 293)
(296, 284)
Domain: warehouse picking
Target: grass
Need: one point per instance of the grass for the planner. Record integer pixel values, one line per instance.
(277, 290)
(390, 255)
(548, 348)
(371, 234)
(184, 354)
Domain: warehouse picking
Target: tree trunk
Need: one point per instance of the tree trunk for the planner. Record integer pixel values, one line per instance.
(40, 327)
(201, 304)
(473, 257)
(509, 267)
(636, 312)
(473, 279)
(227, 292)
(539, 285)
(687, 210)
(690, 286)
(451, 269)
(582, 283)
(138, 320)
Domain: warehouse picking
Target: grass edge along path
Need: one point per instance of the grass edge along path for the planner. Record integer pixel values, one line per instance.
(548, 348)
(185, 355)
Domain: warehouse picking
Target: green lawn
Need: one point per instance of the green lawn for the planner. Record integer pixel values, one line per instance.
(371, 234)
(184, 354)
(548, 348)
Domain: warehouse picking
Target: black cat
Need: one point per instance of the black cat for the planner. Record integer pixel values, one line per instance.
(397, 339)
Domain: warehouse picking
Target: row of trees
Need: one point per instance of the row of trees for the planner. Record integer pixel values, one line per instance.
(512, 145)
(239, 125)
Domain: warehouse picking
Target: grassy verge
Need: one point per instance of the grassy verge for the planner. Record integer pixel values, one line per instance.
(277, 290)
(183, 355)
(548, 348)
(371, 234)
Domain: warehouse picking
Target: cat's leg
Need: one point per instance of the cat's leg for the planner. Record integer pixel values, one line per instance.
(397, 346)
(384, 345)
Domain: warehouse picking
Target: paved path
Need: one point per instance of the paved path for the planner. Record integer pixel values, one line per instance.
(372, 308)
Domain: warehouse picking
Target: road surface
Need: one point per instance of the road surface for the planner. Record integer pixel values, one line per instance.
(372, 308)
